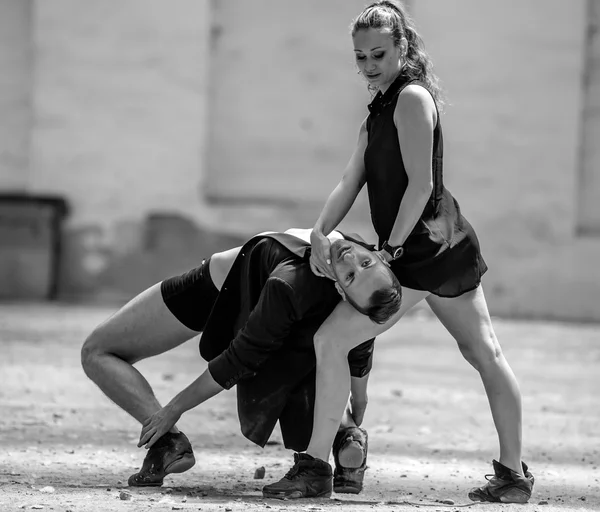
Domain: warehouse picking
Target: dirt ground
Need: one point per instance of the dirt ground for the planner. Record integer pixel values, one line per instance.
(65, 447)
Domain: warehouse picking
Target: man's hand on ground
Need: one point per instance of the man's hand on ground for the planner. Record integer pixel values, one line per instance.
(158, 425)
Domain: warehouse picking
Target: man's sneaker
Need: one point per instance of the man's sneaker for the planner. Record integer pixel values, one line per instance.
(350, 448)
(172, 453)
(308, 478)
(505, 486)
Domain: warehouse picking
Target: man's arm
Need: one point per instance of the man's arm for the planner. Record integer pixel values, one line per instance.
(268, 325)
(203, 388)
(357, 403)
(360, 360)
(358, 398)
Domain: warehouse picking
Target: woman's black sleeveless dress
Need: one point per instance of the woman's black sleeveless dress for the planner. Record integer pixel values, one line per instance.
(441, 255)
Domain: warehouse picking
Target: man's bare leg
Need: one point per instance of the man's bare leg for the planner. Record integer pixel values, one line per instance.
(145, 327)
(142, 328)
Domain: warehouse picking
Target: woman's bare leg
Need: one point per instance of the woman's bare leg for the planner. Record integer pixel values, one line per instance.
(468, 321)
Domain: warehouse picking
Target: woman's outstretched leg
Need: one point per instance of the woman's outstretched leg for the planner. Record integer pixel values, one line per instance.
(468, 321)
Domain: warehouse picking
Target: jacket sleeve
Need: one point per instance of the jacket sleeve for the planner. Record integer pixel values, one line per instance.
(360, 358)
(267, 327)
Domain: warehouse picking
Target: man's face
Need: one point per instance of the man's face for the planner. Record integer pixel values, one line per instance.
(359, 272)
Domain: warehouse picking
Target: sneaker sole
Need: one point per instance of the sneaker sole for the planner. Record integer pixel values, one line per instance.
(132, 483)
(352, 455)
(510, 496)
(181, 464)
(347, 489)
(295, 495)
(515, 496)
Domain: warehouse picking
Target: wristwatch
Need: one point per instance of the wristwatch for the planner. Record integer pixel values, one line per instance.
(394, 252)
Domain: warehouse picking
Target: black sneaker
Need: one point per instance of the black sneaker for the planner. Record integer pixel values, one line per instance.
(350, 448)
(505, 486)
(172, 453)
(308, 478)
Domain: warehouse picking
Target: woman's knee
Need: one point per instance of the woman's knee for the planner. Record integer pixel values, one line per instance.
(482, 353)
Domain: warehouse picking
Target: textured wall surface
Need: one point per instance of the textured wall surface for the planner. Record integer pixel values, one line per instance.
(120, 125)
(589, 183)
(120, 105)
(16, 68)
(513, 72)
(164, 126)
(285, 98)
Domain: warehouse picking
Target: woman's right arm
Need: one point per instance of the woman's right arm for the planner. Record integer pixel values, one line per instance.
(337, 206)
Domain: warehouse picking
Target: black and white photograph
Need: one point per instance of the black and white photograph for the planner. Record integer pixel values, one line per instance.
(299, 256)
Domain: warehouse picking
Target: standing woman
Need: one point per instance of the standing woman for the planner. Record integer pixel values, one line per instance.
(430, 246)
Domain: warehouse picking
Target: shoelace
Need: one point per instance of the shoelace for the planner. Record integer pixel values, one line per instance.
(292, 472)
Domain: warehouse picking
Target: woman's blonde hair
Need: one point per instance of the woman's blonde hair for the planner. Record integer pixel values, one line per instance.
(390, 15)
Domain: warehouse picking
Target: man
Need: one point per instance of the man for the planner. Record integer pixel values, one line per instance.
(258, 307)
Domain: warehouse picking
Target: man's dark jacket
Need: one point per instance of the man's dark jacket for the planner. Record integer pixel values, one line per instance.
(260, 336)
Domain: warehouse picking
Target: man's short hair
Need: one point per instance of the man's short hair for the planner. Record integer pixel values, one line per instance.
(383, 303)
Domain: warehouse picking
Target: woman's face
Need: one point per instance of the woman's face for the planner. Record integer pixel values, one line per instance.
(377, 58)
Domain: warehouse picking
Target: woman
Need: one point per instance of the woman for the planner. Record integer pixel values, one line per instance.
(430, 246)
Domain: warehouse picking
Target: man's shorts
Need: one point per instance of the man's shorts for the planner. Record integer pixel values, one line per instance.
(191, 296)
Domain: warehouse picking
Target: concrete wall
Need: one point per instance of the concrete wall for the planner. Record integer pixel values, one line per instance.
(286, 105)
(589, 163)
(285, 100)
(513, 72)
(163, 126)
(16, 66)
(120, 130)
(513, 75)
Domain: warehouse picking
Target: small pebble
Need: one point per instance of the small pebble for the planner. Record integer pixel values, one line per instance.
(259, 474)
(47, 489)
(37, 507)
(447, 502)
(543, 502)
(124, 495)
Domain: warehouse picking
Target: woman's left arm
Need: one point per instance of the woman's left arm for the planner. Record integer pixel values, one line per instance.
(415, 118)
